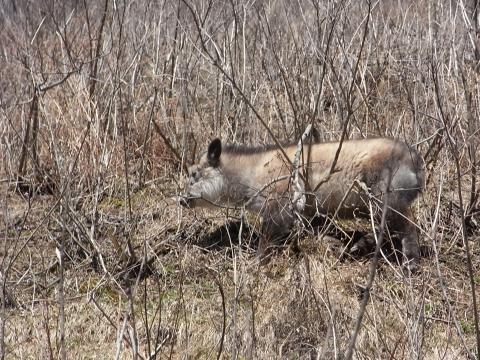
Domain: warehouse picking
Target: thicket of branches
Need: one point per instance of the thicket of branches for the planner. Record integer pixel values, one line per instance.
(103, 104)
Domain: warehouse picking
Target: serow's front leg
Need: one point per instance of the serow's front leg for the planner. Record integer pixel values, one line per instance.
(278, 219)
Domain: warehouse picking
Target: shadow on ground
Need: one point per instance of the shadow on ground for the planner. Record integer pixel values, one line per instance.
(352, 244)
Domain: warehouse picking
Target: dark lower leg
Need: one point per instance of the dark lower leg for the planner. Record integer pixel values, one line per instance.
(402, 226)
(277, 224)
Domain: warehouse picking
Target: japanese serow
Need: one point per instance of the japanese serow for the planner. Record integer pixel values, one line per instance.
(369, 171)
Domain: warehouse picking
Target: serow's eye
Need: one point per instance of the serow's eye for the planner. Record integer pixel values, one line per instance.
(195, 176)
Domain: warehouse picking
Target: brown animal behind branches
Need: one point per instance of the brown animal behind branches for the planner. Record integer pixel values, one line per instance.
(261, 180)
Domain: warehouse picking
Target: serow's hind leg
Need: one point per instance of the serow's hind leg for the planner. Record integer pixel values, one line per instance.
(402, 225)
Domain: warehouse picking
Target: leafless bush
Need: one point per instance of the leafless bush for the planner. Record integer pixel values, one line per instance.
(102, 106)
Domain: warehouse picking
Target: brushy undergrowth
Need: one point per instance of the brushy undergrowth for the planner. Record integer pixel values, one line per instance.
(103, 104)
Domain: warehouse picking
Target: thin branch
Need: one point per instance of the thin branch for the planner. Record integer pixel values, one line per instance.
(169, 145)
(234, 83)
(348, 101)
(454, 151)
(371, 277)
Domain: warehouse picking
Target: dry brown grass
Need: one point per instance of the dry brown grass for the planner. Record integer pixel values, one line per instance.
(139, 276)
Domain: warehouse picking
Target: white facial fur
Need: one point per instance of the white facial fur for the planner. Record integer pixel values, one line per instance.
(205, 183)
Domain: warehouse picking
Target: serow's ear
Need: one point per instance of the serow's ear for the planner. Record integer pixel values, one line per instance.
(214, 152)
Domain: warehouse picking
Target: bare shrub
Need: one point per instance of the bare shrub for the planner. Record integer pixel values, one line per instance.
(104, 104)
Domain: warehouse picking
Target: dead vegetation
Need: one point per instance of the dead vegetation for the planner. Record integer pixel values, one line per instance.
(103, 104)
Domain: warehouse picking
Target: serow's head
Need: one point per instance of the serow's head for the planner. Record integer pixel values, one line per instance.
(205, 179)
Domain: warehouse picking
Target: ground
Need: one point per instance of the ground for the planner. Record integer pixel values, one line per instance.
(104, 104)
